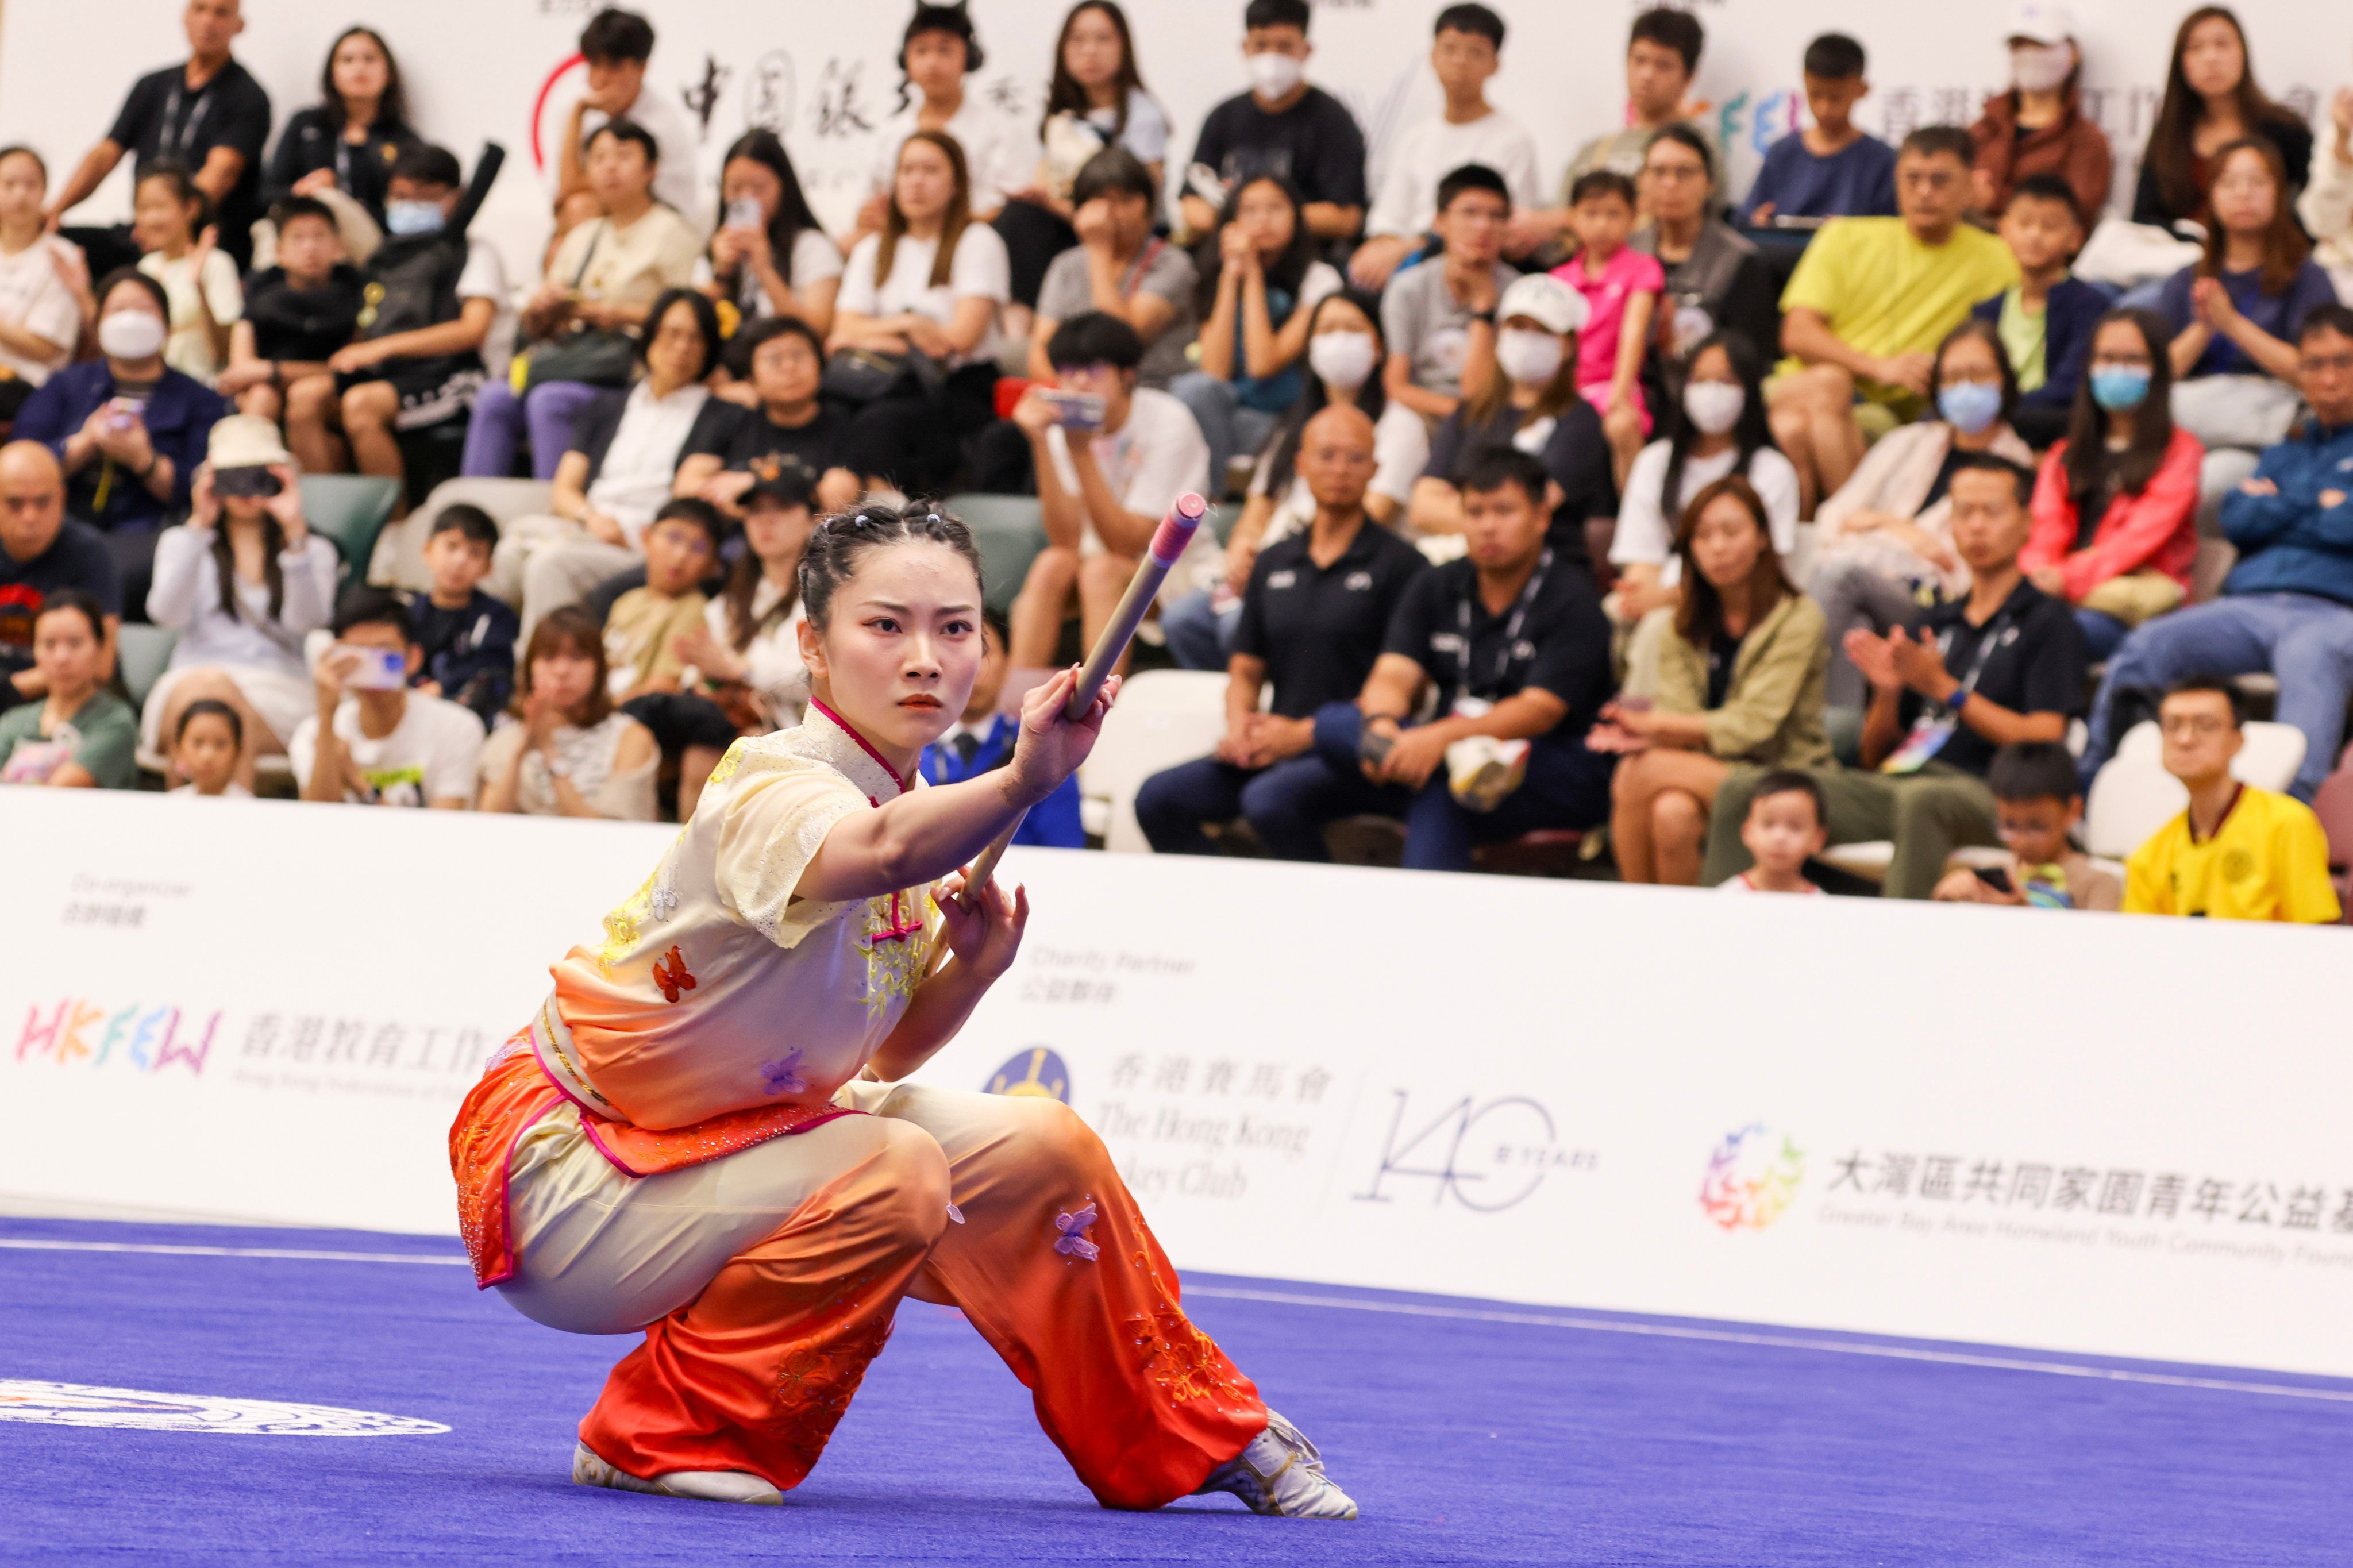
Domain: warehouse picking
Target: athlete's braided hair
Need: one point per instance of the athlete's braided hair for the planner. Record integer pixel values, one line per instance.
(834, 549)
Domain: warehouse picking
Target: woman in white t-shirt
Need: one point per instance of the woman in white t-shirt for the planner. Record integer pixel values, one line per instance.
(1717, 426)
(1096, 101)
(167, 215)
(930, 283)
(40, 315)
(566, 751)
(768, 256)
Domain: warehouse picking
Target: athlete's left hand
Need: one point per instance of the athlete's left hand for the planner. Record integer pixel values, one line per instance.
(984, 939)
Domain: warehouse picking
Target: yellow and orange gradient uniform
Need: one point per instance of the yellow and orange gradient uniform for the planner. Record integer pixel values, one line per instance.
(678, 1143)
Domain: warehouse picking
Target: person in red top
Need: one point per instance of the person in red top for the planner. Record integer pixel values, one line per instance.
(2115, 505)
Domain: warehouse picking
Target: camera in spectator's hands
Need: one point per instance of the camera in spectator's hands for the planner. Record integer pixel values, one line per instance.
(246, 484)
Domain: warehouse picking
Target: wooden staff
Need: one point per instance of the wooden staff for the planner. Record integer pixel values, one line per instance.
(1169, 542)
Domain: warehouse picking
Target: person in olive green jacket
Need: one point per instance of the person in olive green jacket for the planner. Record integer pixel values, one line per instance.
(1740, 682)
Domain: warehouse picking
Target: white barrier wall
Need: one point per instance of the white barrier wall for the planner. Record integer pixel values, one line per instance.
(2080, 1132)
(822, 75)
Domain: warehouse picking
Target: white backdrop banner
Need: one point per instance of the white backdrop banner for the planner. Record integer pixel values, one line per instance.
(822, 75)
(2114, 1136)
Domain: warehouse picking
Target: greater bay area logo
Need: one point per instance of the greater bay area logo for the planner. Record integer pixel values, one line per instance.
(1752, 1178)
(81, 1405)
(1035, 1074)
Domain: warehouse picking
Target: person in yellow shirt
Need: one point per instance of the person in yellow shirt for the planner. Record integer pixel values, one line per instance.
(1867, 305)
(2238, 853)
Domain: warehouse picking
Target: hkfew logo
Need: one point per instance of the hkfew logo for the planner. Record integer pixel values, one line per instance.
(1488, 1155)
(1752, 1178)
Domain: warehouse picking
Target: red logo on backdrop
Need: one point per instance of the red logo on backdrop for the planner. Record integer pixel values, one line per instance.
(539, 108)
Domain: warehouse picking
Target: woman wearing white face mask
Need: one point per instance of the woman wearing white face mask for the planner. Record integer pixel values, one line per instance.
(1887, 533)
(1532, 403)
(2037, 126)
(1345, 353)
(128, 430)
(1716, 427)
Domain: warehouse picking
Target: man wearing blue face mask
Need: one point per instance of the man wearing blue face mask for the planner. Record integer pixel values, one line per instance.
(2288, 605)
(431, 298)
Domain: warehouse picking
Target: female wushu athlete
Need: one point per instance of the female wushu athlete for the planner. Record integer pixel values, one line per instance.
(706, 1134)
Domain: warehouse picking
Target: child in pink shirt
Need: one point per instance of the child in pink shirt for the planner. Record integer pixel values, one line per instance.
(1622, 289)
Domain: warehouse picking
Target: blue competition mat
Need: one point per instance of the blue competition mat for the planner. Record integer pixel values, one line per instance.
(1470, 1432)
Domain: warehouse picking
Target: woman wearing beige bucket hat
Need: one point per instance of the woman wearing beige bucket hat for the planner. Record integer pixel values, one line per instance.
(243, 582)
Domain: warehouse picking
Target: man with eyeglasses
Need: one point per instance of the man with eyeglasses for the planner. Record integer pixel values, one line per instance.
(2237, 853)
(2288, 605)
(1870, 303)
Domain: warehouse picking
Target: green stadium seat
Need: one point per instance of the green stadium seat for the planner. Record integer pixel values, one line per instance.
(350, 510)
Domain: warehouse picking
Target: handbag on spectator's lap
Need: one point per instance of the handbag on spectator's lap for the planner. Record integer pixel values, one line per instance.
(593, 356)
(869, 376)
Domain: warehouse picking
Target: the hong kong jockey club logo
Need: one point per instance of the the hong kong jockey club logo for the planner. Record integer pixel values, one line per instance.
(1036, 1073)
(1752, 1178)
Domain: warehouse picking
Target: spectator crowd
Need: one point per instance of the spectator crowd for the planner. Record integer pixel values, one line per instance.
(1709, 530)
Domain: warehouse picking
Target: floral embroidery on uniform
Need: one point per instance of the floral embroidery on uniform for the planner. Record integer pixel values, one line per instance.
(1073, 1242)
(955, 1214)
(1185, 1361)
(727, 765)
(783, 1076)
(625, 925)
(670, 974)
(896, 950)
(662, 901)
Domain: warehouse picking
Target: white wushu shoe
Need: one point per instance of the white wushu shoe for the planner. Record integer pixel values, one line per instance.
(708, 1486)
(1280, 1473)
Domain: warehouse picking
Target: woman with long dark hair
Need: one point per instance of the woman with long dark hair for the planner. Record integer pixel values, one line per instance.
(1096, 101)
(1261, 280)
(242, 581)
(1717, 425)
(1740, 682)
(348, 140)
(2115, 505)
(930, 283)
(2235, 313)
(768, 256)
(2211, 101)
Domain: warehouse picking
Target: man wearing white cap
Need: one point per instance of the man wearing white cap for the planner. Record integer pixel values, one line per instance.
(1531, 404)
(2037, 126)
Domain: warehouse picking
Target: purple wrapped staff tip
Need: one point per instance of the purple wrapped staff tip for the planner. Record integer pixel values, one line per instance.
(1175, 529)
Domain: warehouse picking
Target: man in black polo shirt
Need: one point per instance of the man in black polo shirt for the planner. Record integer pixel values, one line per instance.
(1514, 642)
(731, 447)
(1282, 126)
(2001, 667)
(1312, 621)
(44, 553)
(208, 114)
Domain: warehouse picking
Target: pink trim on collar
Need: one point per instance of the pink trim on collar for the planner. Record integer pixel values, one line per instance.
(864, 744)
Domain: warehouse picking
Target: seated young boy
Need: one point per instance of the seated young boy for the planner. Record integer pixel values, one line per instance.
(297, 314)
(2038, 800)
(469, 638)
(2047, 319)
(1785, 828)
(982, 741)
(1438, 316)
(433, 295)
(1831, 169)
(643, 634)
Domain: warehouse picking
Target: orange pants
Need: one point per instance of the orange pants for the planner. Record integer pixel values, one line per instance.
(765, 1281)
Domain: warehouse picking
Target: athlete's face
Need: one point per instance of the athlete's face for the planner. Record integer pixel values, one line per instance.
(900, 648)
